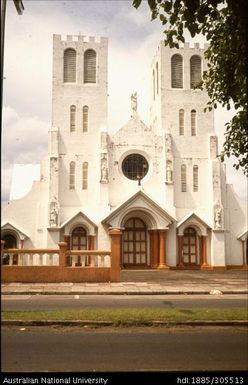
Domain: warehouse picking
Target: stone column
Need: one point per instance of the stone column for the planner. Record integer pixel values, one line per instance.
(115, 271)
(205, 265)
(154, 240)
(180, 251)
(162, 250)
(62, 253)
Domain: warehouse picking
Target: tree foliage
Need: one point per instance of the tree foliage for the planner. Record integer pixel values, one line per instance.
(224, 25)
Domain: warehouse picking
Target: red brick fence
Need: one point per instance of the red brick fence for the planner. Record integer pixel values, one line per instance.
(62, 265)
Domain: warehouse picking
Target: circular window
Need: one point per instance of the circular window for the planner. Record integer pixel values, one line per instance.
(135, 166)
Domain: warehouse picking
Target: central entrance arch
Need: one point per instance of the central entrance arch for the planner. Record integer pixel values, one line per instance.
(134, 243)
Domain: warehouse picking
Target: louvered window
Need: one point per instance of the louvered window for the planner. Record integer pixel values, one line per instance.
(195, 178)
(69, 65)
(72, 118)
(181, 122)
(85, 176)
(183, 178)
(195, 70)
(90, 66)
(72, 176)
(177, 71)
(157, 77)
(85, 118)
(193, 122)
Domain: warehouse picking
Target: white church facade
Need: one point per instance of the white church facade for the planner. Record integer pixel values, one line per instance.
(160, 185)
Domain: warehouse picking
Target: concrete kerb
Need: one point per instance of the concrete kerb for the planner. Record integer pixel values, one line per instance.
(89, 323)
(119, 292)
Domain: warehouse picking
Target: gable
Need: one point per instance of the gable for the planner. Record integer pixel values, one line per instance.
(142, 206)
(79, 219)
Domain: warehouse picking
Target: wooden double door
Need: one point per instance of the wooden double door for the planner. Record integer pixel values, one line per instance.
(134, 243)
(190, 247)
(79, 241)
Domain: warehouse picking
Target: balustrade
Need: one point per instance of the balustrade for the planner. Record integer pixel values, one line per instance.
(49, 257)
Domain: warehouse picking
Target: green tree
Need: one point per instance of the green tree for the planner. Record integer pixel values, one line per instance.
(224, 25)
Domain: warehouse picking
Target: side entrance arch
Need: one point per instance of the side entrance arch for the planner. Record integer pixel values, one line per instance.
(79, 241)
(190, 247)
(10, 241)
(134, 243)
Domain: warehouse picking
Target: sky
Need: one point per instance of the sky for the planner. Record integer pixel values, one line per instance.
(27, 102)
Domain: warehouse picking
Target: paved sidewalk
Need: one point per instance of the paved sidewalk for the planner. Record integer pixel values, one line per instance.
(146, 282)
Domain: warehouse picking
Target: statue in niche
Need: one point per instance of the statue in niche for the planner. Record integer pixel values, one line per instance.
(54, 213)
(104, 170)
(134, 102)
(54, 217)
(169, 173)
(54, 164)
(218, 216)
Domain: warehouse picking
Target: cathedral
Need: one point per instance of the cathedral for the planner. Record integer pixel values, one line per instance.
(161, 185)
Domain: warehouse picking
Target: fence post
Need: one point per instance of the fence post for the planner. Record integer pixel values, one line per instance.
(115, 271)
(62, 253)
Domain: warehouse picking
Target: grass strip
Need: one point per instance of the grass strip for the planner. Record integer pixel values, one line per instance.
(130, 315)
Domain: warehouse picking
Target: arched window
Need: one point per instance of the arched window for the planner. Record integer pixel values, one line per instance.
(72, 176)
(72, 118)
(153, 83)
(181, 122)
(69, 65)
(90, 66)
(157, 76)
(85, 118)
(195, 70)
(85, 176)
(183, 178)
(193, 122)
(195, 178)
(177, 71)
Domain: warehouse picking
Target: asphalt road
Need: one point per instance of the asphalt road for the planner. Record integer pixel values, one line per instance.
(128, 349)
(53, 302)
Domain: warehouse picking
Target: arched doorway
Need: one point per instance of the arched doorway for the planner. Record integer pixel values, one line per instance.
(189, 247)
(134, 243)
(79, 242)
(10, 243)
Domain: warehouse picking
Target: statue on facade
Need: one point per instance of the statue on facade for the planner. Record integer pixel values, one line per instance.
(134, 102)
(54, 213)
(54, 216)
(218, 216)
(169, 174)
(104, 170)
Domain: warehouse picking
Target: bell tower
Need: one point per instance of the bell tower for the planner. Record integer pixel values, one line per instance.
(79, 115)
